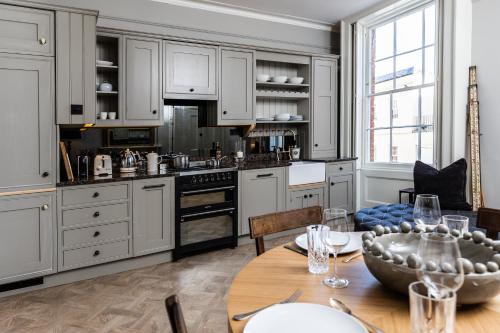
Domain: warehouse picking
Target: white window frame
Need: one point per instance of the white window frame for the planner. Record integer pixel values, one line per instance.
(363, 54)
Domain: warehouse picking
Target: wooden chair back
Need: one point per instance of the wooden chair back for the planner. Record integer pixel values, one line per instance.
(175, 315)
(489, 219)
(263, 225)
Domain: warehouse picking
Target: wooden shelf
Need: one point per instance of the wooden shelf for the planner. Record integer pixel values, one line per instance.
(284, 95)
(281, 85)
(98, 92)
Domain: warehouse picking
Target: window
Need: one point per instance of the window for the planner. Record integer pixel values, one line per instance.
(399, 109)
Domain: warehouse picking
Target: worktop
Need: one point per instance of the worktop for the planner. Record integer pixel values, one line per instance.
(116, 177)
(333, 159)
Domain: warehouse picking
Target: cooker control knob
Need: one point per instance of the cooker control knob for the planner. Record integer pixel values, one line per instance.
(223, 176)
(200, 179)
(193, 180)
(212, 178)
(229, 176)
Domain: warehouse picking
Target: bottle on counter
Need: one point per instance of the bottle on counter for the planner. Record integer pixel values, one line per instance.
(218, 151)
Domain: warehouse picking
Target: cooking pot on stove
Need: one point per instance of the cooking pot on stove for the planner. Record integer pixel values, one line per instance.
(178, 161)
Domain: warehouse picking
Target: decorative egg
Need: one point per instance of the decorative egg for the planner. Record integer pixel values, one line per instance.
(488, 242)
(395, 229)
(419, 228)
(478, 237)
(446, 267)
(442, 229)
(367, 235)
(379, 230)
(467, 265)
(467, 235)
(387, 255)
(480, 268)
(377, 249)
(431, 266)
(397, 259)
(496, 258)
(414, 261)
(373, 233)
(387, 230)
(429, 228)
(455, 233)
(492, 266)
(496, 247)
(367, 244)
(406, 227)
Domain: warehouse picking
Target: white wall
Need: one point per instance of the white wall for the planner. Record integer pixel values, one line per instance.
(486, 55)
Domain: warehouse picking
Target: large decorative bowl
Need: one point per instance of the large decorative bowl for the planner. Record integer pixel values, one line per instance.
(389, 263)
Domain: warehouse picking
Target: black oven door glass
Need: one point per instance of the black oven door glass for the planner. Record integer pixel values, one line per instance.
(207, 198)
(206, 226)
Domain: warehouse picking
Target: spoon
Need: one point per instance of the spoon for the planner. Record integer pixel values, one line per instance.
(336, 304)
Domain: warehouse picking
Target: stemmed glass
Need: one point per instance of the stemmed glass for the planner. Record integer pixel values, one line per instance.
(427, 211)
(335, 241)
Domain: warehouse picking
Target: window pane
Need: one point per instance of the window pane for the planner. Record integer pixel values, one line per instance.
(383, 75)
(409, 32)
(405, 108)
(427, 145)
(380, 111)
(404, 145)
(427, 106)
(380, 142)
(430, 25)
(383, 41)
(409, 69)
(429, 64)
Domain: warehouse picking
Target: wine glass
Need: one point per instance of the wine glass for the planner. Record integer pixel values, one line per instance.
(441, 268)
(427, 211)
(335, 241)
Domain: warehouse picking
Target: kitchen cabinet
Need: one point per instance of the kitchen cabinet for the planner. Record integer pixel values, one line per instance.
(190, 71)
(27, 131)
(154, 215)
(26, 31)
(304, 198)
(143, 103)
(341, 185)
(75, 68)
(262, 192)
(27, 242)
(324, 108)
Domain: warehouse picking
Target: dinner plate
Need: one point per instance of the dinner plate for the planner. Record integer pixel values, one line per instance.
(302, 317)
(354, 244)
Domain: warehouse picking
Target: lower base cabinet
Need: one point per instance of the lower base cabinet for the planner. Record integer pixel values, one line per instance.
(27, 242)
(153, 215)
(304, 198)
(341, 185)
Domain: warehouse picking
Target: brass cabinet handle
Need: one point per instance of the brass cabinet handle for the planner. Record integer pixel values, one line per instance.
(42, 40)
(45, 207)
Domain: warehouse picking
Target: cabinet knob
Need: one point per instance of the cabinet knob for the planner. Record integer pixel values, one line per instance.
(310, 195)
(96, 214)
(315, 145)
(42, 40)
(95, 195)
(45, 174)
(332, 183)
(45, 207)
(191, 90)
(341, 168)
(154, 111)
(96, 234)
(224, 112)
(305, 196)
(96, 253)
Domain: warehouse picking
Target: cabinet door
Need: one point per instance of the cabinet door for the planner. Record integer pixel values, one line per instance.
(316, 197)
(26, 236)
(236, 88)
(341, 192)
(142, 83)
(26, 126)
(263, 192)
(297, 200)
(324, 143)
(76, 75)
(26, 31)
(190, 70)
(153, 215)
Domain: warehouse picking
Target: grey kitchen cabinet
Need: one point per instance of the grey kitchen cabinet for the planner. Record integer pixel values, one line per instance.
(143, 102)
(27, 242)
(262, 192)
(154, 215)
(303, 198)
(190, 71)
(341, 185)
(27, 131)
(75, 68)
(324, 108)
(237, 77)
(26, 31)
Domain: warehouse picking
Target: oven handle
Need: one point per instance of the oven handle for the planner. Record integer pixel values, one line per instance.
(206, 213)
(208, 190)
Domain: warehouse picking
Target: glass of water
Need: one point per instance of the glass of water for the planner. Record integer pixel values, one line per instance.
(427, 211)
(317, 252)
(335, 241)
(458, 222)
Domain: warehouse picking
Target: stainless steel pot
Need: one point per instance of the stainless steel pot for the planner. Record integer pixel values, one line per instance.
(178, 161)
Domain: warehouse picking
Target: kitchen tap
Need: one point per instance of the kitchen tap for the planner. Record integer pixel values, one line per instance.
(278, 152)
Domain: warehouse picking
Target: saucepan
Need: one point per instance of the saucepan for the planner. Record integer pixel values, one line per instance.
(178, 161)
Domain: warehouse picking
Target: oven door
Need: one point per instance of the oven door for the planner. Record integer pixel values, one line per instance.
(207, 199)
(208, 225)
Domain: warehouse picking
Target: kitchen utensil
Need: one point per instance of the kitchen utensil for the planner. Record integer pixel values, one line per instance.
(104, 63)
(282, 117)
(355, 243)
(178, 161)
(292, 298)
(263, 77)
(293, 247)
(105, 86)
(112, 115)
(82, 166)
(153, 161)
(279, 79)
(337, 304)
(128, 161)
(354, 256)
(296, 80)
(303, 317)
(103, 115)
(102, 165)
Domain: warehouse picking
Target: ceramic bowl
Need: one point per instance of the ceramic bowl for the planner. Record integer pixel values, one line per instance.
(296, 80)
(282, 117)
(279, 79)
(478, 287)
(263, 77)
(106, 86)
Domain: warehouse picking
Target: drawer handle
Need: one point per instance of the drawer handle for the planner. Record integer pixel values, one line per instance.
(96, 214)
(154, 111)
(341, 168)
(148, 187)
(42, 40)
(224, 112)
(191, 90)
(95, 195)
(315, 145)
(332, 183)
(45, 207)
(97, 233)
(96, 253)
(45, 174)
(265, 175)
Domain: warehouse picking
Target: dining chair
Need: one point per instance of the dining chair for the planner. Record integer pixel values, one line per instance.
(489, 219)
(175, 315)
(264, 225)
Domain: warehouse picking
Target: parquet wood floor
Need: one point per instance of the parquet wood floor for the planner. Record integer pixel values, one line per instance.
(132, 301)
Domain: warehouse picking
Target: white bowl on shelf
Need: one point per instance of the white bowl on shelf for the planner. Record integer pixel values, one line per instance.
(282, 117)
(104, 63)
(263, 77)
(296, 80)
(279, 79)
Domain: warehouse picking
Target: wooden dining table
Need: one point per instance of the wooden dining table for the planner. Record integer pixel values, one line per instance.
(276, 274)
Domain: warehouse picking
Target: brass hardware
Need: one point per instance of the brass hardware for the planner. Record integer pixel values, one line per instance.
(42, 40)
(45, 207)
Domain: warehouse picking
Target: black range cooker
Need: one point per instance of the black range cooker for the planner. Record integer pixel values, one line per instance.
(206, 210)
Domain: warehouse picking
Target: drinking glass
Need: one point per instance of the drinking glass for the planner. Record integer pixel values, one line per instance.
(441, 264)
(317, 252)
(429, 314)
(335, 241)
(458, 222)
(427, 211)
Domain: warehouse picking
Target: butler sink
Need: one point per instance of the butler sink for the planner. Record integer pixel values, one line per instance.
(305, 172)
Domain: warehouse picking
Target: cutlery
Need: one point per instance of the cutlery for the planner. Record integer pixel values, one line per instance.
(291, 299)
(295, 248)
(336, 304)
(352, 257)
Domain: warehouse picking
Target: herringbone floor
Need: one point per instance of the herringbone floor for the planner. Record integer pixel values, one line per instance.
(132, 301)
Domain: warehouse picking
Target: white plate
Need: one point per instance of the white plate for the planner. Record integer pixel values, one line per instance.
(104, 63)
(354, 242)
(301, 318)
(264, 119)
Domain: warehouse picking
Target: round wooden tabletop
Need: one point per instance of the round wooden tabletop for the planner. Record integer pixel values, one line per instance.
(277, 273)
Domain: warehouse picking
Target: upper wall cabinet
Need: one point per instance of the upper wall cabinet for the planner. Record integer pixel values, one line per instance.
(324, 105)
(76, 75)
(143, 103)
(190, 71)
(26, 31)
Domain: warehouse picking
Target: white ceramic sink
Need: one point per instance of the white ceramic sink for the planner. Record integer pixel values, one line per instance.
(306, 173)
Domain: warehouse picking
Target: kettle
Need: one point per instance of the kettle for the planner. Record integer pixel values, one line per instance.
(102, 165)
(153, 161)
(128, 161)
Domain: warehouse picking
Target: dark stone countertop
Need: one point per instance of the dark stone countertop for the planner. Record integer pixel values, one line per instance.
(116, 177)
(264, 164)
(333, 159)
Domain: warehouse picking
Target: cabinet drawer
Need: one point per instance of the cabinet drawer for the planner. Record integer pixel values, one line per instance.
(85, 236)
(340, 168)
(96, 214)
(98, 194)
(96, 254)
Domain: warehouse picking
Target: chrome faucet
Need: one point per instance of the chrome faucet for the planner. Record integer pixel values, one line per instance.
(278, 152)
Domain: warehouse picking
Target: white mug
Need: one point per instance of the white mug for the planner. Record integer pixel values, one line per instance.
(296, 153)
(153, 161)
(104, 115)
(111, 115)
